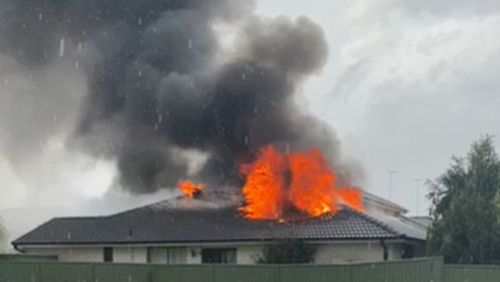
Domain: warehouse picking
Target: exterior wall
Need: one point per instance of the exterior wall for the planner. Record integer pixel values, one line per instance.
(130, 254)
(338, 253)
(245, 254)
(194, 255)
(90, 254)
(326, 252)
(248, 254)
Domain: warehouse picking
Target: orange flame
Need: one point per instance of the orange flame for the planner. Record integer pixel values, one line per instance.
(302, 180)
(189, 188)
(263, 190)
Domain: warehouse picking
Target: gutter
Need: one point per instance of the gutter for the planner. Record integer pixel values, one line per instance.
(17, 248)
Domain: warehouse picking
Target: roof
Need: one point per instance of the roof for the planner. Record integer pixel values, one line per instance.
(424, 221)
(163, 223)
(381, 202)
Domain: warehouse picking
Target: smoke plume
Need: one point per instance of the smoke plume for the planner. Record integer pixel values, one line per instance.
(148, 84)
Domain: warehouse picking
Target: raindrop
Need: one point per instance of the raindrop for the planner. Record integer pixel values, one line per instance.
(160, 118)
(139, 73)
(80, 47)
(77, 64)
(190, 43)
(40, 16)
(246, 140)
(5, 80)
(156, 127)
(61, 47)
(139, 21)
(244, 76)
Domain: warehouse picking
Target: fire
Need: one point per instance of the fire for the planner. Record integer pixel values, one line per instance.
(302, 180)
(263, 191)
(189, 188)
(312, 183)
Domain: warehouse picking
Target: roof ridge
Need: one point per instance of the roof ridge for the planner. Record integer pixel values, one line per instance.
(141, 207)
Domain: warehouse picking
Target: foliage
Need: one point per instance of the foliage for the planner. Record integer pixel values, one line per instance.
(464, 208)
(288, 251)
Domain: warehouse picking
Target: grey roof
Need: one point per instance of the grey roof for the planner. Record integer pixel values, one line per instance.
(369, 197)
(424, 221)
(159, 223)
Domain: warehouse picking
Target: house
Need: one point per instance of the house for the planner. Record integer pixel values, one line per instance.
(193, 231)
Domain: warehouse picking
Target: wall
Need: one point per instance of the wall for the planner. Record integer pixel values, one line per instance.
(327, 253)
(245, 254)
(129, 254)
(248, 254)
(74, 254)
(349, 252)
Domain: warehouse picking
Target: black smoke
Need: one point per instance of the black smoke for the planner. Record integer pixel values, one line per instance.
(159, 83)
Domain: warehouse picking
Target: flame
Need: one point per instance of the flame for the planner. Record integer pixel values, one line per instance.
(302, 180)
(312, 183)
(189, 188)
(263, 190)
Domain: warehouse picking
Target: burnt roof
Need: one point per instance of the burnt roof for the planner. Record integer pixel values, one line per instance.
(163, 223)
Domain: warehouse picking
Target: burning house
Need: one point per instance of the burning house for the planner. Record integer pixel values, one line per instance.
(212, 229)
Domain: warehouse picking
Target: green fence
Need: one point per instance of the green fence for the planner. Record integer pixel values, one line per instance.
(471, 273)
(407, 271)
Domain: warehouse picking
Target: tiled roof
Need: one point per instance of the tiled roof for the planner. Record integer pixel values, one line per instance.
(162, 223)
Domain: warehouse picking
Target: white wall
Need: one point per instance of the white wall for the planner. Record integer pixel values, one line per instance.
(372, 251)
(248, 254)
(326, 253)
(245, 254)
(129, 254)
(84, 254)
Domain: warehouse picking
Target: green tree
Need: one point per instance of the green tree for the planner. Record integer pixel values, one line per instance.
(464, 208)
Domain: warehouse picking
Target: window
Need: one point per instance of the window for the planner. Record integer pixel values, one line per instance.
(218, 256)
(167, 255)
(108, 254)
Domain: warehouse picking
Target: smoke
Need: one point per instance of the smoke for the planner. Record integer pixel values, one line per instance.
(147, 85)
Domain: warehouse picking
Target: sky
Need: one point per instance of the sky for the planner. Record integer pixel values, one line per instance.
(407, 85)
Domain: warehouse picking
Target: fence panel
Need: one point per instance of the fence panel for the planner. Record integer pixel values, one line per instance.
(408, 271)
(470, 273)
(316, 273)
(104, 272)
(66, 272)
(182, 273)
(131, 273)
(18, 272)
(244, 273)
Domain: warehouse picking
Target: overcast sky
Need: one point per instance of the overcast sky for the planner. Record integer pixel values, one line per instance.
(408, 84)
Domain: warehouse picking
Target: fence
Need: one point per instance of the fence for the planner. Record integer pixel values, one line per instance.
(469, 273)
(428, 270)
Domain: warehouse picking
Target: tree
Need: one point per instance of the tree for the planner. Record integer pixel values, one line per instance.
(288, 251)
(465, 210)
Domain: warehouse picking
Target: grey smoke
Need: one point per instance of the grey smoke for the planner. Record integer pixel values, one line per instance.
(156, 87)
